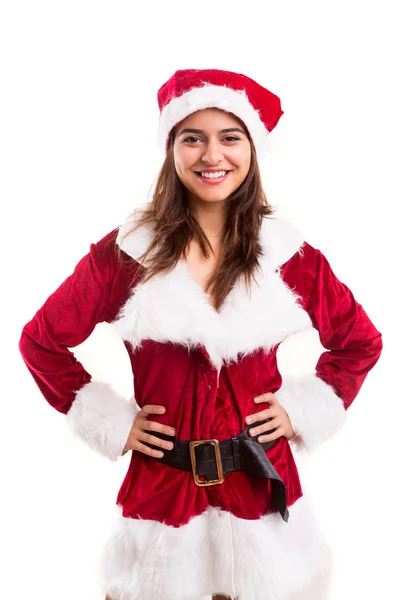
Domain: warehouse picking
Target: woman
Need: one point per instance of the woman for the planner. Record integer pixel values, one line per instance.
(203, 284)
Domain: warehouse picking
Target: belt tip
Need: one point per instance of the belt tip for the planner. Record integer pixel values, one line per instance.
(286, 516)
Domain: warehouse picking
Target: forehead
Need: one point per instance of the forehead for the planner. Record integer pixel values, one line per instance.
(210, 118)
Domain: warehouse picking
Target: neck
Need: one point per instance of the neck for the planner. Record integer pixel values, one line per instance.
(211, 216)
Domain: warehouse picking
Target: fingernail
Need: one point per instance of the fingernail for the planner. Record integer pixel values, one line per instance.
(160, 454)
(170, 445)
(252, 432)
(248, 419)
(257, 399)
(172, 431)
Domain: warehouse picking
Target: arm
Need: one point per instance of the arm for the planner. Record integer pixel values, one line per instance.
(316, 403)
(92, 294)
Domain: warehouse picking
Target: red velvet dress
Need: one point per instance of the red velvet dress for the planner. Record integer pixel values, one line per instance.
(205, 367)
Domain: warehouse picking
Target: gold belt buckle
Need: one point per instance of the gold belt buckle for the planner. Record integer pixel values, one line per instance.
(218, 460)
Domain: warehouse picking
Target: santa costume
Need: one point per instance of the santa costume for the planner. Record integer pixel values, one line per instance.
(250, 534)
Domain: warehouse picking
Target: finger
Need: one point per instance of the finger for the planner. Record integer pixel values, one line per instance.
(271, 436)
(155, 441)
(139, 447)
(268, 397)
(154, 426)
(261, 416)
(273, 424)
(152, 409)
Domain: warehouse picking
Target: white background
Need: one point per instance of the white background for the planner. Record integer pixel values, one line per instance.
(78, 153)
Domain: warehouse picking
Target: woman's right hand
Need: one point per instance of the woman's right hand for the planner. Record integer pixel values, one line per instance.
(138, 433)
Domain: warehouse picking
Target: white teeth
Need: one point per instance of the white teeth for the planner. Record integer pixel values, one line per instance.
(214, 175)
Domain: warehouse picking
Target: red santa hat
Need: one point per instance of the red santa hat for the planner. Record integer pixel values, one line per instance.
(190, 90)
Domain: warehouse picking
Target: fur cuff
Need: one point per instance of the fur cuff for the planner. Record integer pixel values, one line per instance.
(315, 411)
(102, 418)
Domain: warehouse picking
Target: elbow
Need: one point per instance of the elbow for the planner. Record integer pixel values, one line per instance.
(377, 347)
(28, 345)
(24, 344)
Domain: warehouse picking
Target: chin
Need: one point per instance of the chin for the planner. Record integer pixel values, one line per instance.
(213, 197)
(211, 194)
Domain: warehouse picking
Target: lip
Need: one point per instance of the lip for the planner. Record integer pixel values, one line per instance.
(212, 181)
(211, 170)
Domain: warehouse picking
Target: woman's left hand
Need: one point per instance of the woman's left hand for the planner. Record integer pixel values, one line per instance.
(279, 420)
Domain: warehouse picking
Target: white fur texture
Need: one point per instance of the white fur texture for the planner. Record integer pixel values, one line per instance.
(315, 411)
(214, 96)
(215, 552)
(102, 418)
(135, 243)
(173, 307)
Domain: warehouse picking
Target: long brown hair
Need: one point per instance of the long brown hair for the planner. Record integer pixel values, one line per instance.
(174, 227)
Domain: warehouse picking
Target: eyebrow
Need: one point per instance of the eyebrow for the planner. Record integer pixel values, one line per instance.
(229, 130)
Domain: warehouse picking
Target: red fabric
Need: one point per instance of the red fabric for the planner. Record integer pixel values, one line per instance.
(344, 328)
(91, 295)
(265, 102)
(185, 382)
(198, 409)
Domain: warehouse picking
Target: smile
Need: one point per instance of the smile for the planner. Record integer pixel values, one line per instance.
(213, 178)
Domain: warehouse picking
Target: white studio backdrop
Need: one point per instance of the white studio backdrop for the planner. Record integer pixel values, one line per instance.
(78, 153)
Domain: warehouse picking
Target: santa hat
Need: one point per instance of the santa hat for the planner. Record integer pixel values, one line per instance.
(190, 90)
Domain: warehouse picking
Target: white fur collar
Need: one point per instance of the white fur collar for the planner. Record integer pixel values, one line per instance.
(173, 307)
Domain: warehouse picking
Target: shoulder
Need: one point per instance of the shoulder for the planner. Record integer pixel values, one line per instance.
(281, 241)
(111, 263)
(286, 252)
(112, 271)
(132, 239)
(102, 258)
(306, 258)
(114, 250)
(105, 248)
(310, 275)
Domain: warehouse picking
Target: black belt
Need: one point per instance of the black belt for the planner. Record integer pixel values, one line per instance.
(213, 460)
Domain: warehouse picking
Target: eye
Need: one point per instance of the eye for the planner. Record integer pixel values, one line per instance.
(232, 138)
(191, 137)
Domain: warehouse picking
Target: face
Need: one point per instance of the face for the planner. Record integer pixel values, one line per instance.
(207, 142)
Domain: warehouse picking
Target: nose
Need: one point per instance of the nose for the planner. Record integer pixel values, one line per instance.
(213, 153)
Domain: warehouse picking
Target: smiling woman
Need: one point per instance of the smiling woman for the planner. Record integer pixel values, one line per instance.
(213, 163)
(203, 284)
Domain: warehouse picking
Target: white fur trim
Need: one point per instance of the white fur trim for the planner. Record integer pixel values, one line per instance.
(102, 418)
(214, 96)
(215, 552)
(315, 411)
(280, 240)
(136, 243)
(172, 307)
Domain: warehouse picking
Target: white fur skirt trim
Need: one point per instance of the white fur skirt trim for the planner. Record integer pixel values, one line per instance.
(216, 552)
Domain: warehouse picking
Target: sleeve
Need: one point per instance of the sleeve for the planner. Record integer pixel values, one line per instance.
(95, 412)
(316, 403)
